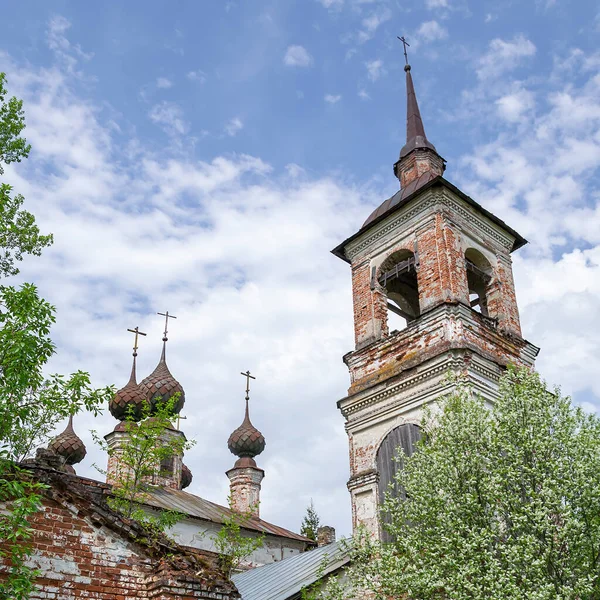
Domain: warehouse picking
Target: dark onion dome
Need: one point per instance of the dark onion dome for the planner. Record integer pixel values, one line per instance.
(129, 395)
(68, 445)
(246, 440)
(160, 385)
(186, 476)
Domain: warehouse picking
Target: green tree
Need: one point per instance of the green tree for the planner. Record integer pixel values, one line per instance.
(31, 403)
(310, 522)
(148, 446)
(233, 544)
(500, 503)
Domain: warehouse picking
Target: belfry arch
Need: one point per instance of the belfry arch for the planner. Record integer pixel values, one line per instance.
(479, 279)
(398, 278)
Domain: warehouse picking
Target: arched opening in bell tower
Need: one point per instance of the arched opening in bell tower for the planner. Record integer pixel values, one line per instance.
(398, 277)
(479, 277)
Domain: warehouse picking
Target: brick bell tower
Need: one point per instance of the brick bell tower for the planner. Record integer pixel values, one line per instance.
(433, 293)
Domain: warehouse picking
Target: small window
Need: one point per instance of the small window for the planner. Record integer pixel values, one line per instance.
(479, 277)
(166, 466)
(398, 276)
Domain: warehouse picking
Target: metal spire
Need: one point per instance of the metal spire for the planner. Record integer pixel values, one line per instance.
(167, 316)
(415, 132)
(248, 378)
(137, 332)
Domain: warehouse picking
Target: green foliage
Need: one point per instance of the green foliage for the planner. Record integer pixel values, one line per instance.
(12, 122)
(148, 445)
(232, 544)
(310, 522)
(18, 232)
(501, 503)
(31, 404)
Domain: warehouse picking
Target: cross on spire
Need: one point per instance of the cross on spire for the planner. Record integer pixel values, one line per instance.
(405, 44)
(135, 343)
(167, 316)
(248, 378)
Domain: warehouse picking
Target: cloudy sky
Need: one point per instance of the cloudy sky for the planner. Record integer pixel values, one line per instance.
(204, 157)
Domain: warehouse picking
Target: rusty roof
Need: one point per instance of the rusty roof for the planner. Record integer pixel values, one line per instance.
(406, 195)
(197, 507)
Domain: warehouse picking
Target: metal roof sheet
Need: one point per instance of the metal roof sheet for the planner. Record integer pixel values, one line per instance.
(194, 506)
(282, 580)
(400, 199)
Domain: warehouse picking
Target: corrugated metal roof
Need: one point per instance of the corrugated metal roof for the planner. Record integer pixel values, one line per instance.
(282, 580)
(200, 508)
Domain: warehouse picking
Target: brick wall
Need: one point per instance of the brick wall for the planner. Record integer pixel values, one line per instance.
(84, 551)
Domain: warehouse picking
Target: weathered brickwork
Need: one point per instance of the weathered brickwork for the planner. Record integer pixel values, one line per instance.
(417, 163)
(245, 480)
(84, 550)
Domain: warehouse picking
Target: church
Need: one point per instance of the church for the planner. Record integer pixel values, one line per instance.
(433, 293)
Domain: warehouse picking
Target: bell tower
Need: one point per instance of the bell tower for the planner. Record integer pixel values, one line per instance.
(433, 293)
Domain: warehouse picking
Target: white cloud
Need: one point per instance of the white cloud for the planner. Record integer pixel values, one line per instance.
(170, 117)
(198, 76)
(436, 4)
(162, 83)
(234, 126)
(371, 23)
(503, 55)
(332, 99)
(513, 107)
(431, 31)
(69, 54)
(363, 95)
(297, 56)
(375, 69)
(331, 4)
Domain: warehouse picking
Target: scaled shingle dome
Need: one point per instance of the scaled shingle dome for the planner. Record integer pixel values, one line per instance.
(246, 440)
(68, 445)
(186, 476)
(129, 395)
(160, 385)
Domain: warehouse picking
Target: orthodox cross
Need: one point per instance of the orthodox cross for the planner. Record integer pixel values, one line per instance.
(135, 343)
(167, 316)
(179, 417)
(248, 378)
(405, 43)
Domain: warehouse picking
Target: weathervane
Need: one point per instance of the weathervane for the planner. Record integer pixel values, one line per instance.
(135, 343)
(167, 316)
(248, 378)
(405, 43)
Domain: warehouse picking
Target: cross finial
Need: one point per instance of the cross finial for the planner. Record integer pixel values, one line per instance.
(248, 378)
(167, 316)
(405, 44)
(135, 343)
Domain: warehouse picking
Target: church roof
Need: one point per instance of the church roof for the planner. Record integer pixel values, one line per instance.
(404, 196)
(286, 578)
(194, 506)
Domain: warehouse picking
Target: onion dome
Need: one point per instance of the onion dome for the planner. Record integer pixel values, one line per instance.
(246, 440)
(160, 385)
(129, 395)
(186, 476)
(68, 445)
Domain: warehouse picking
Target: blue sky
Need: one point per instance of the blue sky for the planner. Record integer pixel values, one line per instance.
(204, 157)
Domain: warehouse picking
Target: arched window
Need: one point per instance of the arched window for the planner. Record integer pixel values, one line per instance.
(398, 276)
(479, 276)
(405, 437)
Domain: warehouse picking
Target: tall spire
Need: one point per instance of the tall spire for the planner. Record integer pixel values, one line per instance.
(406, 169)
(415, 132)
